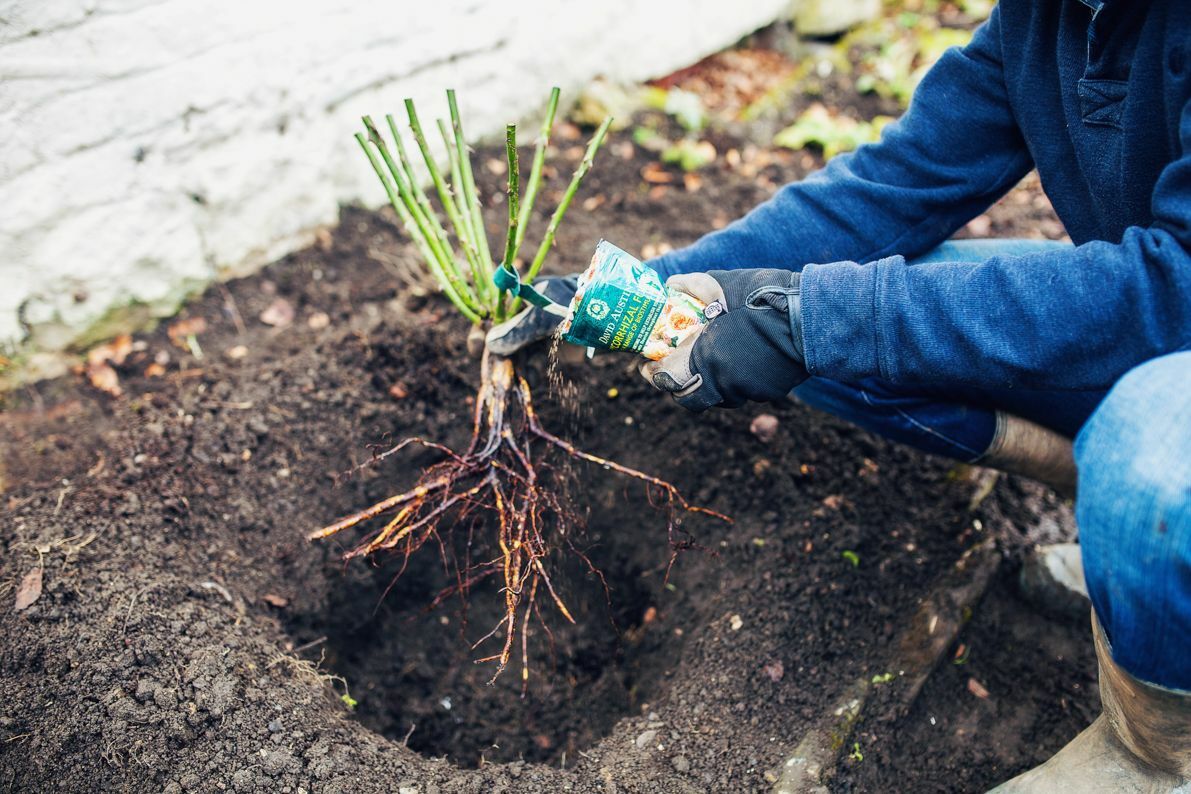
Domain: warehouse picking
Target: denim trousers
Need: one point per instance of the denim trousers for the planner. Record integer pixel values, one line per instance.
(1133, 456)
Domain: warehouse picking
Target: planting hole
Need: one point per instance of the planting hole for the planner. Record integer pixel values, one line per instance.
(414, 676)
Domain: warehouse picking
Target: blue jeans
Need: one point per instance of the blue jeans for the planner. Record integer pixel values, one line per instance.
(957, 422)
(1134, 513)
(1133, 455)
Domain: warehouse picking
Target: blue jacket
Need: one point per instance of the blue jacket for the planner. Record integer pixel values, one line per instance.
(1092, 93)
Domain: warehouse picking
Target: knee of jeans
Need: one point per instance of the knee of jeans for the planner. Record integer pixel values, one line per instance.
(1139, 438)
(1133, 505)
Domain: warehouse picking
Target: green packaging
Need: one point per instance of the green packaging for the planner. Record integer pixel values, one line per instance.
(622, 304)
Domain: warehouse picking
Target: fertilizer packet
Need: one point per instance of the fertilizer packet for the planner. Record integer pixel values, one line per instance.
(622, 304)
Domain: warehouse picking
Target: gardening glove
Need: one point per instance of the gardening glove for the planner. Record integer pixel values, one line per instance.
(750, 350)
(533, 323)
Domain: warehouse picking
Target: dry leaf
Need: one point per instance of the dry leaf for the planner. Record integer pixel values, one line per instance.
(104, 378)
(834, 501)
(99, 368)
(278, 314)
(977, 689)
(29, 590)
(276, 600)
(189, 326)
(655, 174)
(154, 370)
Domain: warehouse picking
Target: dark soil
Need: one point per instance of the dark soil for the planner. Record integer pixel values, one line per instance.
(178, 644)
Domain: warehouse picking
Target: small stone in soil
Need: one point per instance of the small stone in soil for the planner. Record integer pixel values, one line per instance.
(681, 764)
(764, 427)
(646, 738)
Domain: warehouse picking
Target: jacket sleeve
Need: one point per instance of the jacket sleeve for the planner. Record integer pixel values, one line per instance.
(954, 152)
(1075, 319)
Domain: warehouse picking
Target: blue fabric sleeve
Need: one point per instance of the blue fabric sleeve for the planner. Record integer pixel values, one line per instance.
(954, 152)
(1076, 319)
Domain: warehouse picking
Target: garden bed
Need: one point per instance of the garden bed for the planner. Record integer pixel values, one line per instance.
(187, 638)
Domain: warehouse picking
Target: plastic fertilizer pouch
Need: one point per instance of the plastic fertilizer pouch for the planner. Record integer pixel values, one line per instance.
(622, 304)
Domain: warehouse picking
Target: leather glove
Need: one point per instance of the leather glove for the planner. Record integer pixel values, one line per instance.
(752, 350)
(532, 323)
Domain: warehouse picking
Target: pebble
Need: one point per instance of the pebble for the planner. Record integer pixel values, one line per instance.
(646, 738)
(764, 427)
(681, 764)
(275, 726)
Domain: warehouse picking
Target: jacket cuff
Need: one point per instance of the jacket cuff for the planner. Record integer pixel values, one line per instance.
(841, 321)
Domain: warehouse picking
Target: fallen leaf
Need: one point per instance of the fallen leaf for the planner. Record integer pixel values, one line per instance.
(104, 378)
(29, 590)
(774, 671)
(154, 370)
(278, 314)
(276, 600)
(100, 359)
(186, 327)
(655, 174)
(977, 689)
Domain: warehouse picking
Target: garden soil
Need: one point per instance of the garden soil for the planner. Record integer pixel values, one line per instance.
(187, 637)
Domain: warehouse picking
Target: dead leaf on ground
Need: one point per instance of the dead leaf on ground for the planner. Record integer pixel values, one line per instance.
(276, 600)
(29, 590)
(180, 330)
(278, 314)
(655, 174)
(977, 689)
(100, 359)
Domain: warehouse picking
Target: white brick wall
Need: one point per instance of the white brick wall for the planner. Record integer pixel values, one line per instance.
(150, 146)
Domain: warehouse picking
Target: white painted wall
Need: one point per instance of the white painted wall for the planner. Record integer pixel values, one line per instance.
(150, 146)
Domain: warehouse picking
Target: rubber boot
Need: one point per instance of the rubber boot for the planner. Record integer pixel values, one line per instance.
(1021, 447)
(1140, 743)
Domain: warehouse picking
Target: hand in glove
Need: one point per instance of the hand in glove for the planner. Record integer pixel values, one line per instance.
(532, 323)
(751, 350)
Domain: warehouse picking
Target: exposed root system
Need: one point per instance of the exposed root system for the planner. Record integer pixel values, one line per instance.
(497, 481)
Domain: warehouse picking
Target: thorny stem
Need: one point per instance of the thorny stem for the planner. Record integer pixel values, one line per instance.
(462, 229)
(535, 170)
(471, 198)
(398, 200)
(584, 166)
(419, 205)
(498, 477)
(514, 199)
